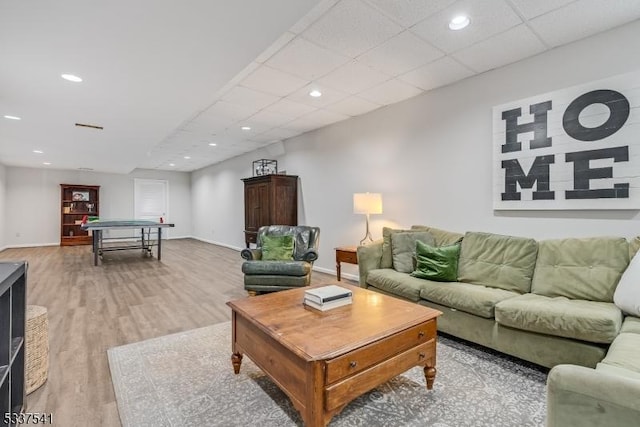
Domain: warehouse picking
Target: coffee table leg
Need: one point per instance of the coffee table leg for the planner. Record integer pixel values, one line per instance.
(236, 360)
(430, 376)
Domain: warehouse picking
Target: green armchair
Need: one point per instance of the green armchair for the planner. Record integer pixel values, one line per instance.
(270, 276)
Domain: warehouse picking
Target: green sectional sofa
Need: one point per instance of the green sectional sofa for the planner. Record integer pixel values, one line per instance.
(549, 302)
(608, 395)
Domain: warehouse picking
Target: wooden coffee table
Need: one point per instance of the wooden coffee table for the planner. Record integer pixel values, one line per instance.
(324, 360)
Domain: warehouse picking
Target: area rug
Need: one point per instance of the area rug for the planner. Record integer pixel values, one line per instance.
(186, 379)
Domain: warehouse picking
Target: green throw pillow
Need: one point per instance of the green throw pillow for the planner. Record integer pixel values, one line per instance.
(439, 264)
(277, 248)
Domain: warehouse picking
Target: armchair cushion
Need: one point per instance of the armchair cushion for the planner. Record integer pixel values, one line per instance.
(281, 268)
(277, 247)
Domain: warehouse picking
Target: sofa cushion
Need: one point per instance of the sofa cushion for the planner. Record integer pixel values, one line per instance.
(474, 299)
(597, 322)
(585, 269)
(439, 264)
(634, 246)
(504, 262)
(616, 370)
(277, 247)
(623, 352)
(393, 282)
(386, 261)
(403, 248)
(631, 324)
(442, 237)
(627, 293)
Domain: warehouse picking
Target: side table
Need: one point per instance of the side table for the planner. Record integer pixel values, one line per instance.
(348, 254)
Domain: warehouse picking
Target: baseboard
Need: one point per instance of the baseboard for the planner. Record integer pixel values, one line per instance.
(31, 245)
(213, 242)
(353, 277)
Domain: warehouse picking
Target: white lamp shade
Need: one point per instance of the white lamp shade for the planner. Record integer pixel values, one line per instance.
(367, 203)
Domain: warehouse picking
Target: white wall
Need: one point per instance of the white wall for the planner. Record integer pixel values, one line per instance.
(3, 192)
(33, 201)
(430, 157)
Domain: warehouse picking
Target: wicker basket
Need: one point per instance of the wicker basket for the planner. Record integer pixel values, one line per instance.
(37, 347)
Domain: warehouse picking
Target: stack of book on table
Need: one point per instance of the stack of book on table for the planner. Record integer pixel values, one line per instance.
(327, 297)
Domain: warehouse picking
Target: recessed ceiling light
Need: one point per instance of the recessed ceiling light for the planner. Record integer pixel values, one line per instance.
(187, 157)
(245, 128)
(12, 117)
(38, 151)
(46, 163)
(459, 22)
(213, 144)
(172, 164)
(71, 78)
(315, 93)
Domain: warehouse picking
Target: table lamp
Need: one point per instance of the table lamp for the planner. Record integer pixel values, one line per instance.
(367, 203)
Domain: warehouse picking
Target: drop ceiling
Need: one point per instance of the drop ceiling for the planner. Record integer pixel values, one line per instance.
(174, 83)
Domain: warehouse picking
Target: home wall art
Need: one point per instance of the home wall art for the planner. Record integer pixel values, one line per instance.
(574, 148)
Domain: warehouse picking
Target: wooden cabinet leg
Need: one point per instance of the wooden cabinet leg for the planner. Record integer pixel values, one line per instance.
(338, 270)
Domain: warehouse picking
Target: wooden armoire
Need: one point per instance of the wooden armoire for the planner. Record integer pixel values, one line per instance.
(269, 200)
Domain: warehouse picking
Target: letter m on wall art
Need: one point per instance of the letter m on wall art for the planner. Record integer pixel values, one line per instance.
(574, 148)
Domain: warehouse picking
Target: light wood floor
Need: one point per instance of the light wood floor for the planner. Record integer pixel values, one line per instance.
(127, 299)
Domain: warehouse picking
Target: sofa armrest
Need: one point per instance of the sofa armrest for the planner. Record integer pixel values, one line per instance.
(369, 257)
(251, 254)
(310, 255)
(584, 397)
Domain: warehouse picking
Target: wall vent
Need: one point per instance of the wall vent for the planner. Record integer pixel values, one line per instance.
(84, 125)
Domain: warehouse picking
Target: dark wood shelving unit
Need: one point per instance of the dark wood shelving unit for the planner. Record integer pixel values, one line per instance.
(76, 201)
(269, 200)
(13, 288)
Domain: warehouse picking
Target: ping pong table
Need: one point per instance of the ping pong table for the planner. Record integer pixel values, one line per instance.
(144, 242)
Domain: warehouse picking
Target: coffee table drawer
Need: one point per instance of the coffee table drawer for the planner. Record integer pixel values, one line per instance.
(362, 358)
(343, 392)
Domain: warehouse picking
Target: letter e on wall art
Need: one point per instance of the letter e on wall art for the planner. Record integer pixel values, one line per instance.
(575, 148)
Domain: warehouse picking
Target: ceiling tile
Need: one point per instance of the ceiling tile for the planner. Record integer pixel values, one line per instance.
(353, 77)
(281, 133)
(438, 73)
(390, 92)
(264, 137)
(400, 54)
(237, 133)
(272, 81)
(583, 18)
(352, 106)
(329, 95)
(315, 120)
(270, 118)
(488, 17)
(410, 12)
(320, 9)
(504, 48)
(351, 27)
(282, 41)
(305, 59)
(530, 9)
(248, 97)
(290, 108)
(229, 110)
(208, 124)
